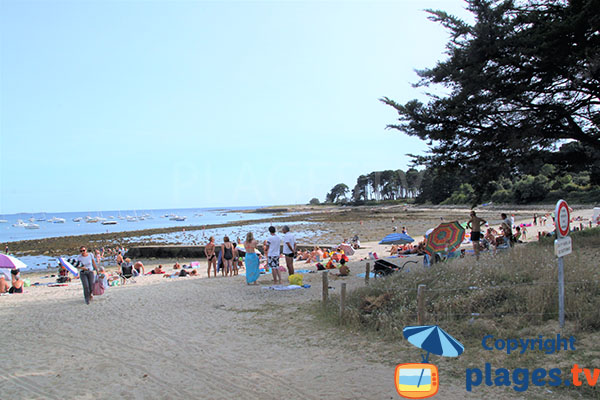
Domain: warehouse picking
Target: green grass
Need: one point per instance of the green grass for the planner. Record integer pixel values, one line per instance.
(511, 295)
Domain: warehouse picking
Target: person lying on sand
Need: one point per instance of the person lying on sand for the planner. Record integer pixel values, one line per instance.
(157, 270)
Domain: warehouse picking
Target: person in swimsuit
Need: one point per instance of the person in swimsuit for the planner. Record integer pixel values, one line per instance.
(3, 284)
(475, 225)
(139, 267)
(17, 282)
(227, 252)
(119, 259)
(211, 257)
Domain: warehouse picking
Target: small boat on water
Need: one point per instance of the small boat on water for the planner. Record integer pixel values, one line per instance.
(3, 221)
(91, 220)
(19, 224)
(178, 218)
(77, 219)
(131, 219)
(31, 225)
(109, 222)
(57, 220)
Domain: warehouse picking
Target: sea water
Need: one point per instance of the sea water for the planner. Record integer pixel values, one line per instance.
(153, 219)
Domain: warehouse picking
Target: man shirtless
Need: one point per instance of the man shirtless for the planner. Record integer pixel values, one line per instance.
(3, 284)
(209, 252)
(475, 225)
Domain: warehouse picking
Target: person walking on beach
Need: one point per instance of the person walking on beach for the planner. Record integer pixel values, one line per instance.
(251, 260)
(211, 257)
(272, 250)
(86, 273)
(227, 253)
(475, 225)
(289, 248)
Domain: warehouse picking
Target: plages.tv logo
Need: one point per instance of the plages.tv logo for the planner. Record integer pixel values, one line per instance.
(421, 380)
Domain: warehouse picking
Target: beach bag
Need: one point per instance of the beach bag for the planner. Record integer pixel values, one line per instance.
(98, 288)
(295, 279)
(282, 268)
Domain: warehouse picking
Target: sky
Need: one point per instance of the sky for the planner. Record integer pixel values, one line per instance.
(110, 105)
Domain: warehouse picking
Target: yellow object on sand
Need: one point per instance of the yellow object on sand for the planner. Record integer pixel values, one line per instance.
(295, 279)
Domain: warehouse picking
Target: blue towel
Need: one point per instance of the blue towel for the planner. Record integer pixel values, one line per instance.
(252, 271)
(302, 271)
(363, 274)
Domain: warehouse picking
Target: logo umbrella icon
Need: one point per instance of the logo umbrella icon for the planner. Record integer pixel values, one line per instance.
(432, 339)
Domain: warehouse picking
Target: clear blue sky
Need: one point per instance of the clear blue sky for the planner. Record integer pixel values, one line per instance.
(161, 104)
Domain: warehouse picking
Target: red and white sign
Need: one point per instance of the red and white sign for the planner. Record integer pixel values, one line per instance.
(562, 218)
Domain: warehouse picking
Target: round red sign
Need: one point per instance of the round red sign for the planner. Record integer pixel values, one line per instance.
(562, 218)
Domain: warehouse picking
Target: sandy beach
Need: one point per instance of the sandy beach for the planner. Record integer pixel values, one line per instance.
(188, 338)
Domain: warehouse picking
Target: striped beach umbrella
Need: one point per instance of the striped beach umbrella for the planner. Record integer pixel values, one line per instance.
(446, 238)
(68, 266)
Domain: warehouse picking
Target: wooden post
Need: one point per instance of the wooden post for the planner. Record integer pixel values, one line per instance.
(539, 236)
(325, 287)
(421, 304)
(342, 302)
(367, 273)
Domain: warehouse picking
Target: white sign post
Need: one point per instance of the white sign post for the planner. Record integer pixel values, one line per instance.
(562, 247)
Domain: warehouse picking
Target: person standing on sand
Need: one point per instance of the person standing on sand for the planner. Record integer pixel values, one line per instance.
(289, 248)
(86, 273)
(211, 257)
(272, 249)
(475, 225)
(227, 254)
(251, 260)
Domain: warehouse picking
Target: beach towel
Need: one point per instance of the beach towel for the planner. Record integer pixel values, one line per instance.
(363, 274)
(303, 271)
(252, 270)
(288, 287)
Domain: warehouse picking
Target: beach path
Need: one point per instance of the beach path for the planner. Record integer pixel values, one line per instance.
(186, 338)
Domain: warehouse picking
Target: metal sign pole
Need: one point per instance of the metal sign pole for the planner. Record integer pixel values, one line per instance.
(562, 247)
(561, 292)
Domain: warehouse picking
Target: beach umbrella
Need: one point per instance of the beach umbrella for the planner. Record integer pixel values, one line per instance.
(348, 250)
(397, 238)
(68, 266)
(11, 262)
(432, 339)
(446, 238)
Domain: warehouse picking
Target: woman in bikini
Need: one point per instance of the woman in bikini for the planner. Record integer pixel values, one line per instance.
(227, 254)
(209, 252)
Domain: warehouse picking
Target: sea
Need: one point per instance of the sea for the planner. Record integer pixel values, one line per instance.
(52, 225)
(75, 223)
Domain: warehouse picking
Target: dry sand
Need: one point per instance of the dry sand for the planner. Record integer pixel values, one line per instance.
(191, 338)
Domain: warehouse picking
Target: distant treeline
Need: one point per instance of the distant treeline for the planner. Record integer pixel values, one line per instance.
(536, 181)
